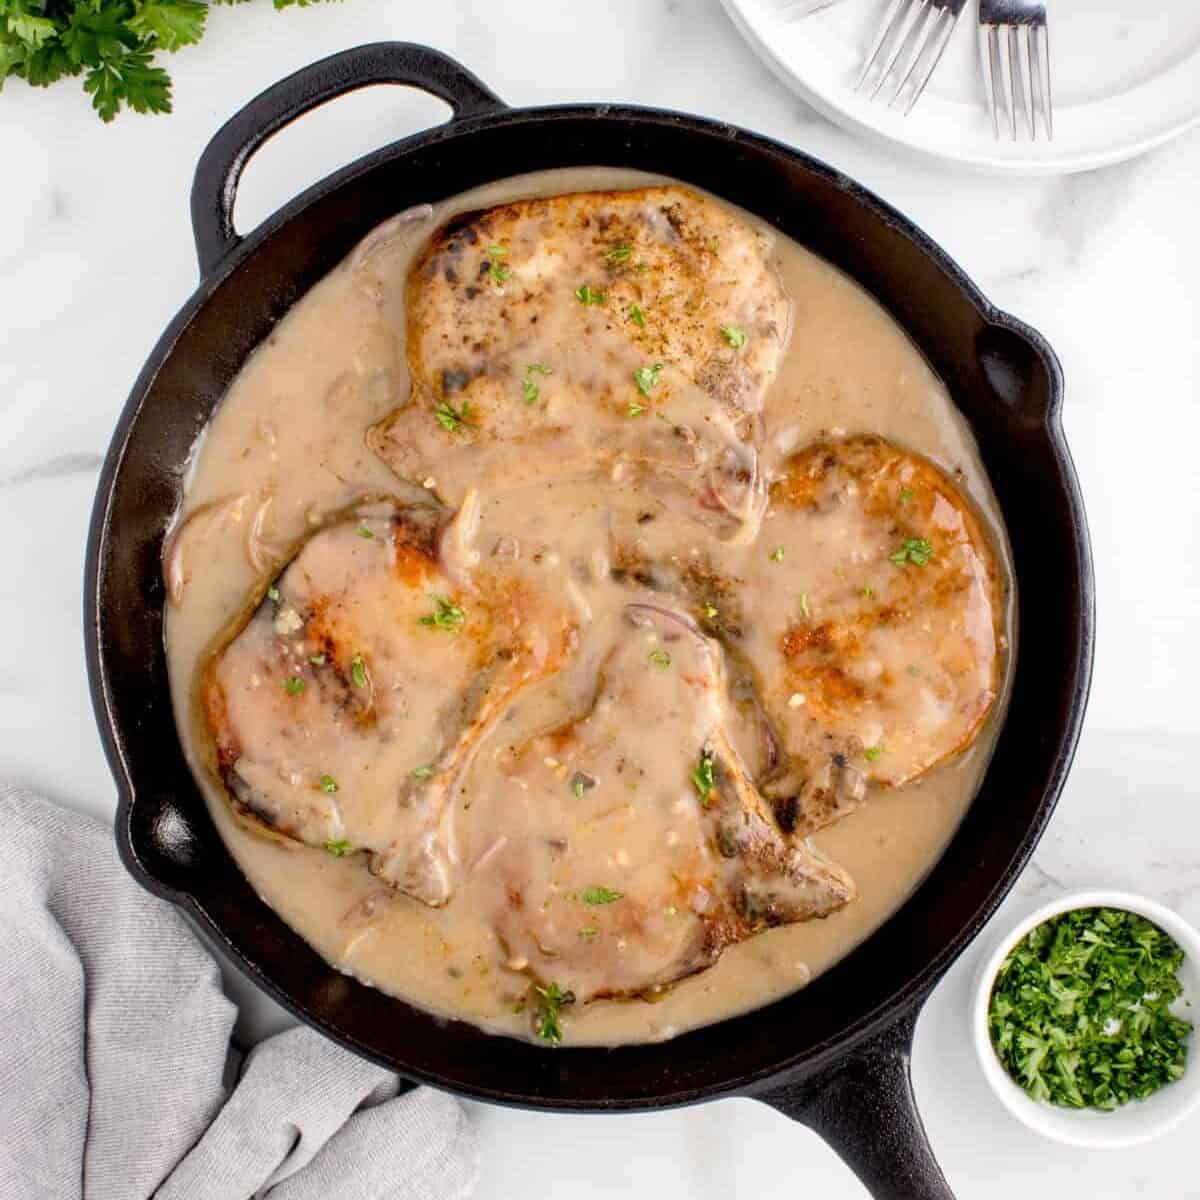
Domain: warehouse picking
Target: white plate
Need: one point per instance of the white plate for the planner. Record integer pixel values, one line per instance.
(1125, 74)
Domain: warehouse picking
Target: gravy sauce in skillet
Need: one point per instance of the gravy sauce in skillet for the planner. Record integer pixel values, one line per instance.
(741, 650)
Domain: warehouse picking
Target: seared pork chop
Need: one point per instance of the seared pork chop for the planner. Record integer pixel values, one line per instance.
(885, 658)
(347, 706)
(592, 332)
(626, 848)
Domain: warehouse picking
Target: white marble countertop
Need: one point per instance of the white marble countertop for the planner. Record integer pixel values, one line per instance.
(96, 255)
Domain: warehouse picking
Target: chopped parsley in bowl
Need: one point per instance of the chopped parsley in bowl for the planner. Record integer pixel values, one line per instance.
(1080, 1013)
(1082, 1019)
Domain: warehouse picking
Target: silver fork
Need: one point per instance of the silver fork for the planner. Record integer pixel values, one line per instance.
(1015, 46)
(912, 38)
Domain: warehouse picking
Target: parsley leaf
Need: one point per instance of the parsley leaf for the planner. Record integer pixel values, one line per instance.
(734, 336)
(660, 658)
(293, 685)
(111, 43)
(358, 671)
(635, 314)
(328, 785)
(449, 417)
(776, 555)
(619, 253)
(702, 779)
(546, 1020)
(600, 895)
(646, 378)
(588, 295)
(1080, 1011)
(422, 772)
(872, 753)
(914, 550)
(364, 532)
(339, 849)
(446, 615)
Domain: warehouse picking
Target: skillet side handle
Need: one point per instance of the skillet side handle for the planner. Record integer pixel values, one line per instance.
(214, 188)
(865, 1109)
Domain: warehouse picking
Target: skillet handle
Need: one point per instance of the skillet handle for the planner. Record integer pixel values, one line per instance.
(214, 188)
(865, 1109)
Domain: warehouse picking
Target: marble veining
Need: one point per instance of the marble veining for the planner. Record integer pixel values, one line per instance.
(96, 256)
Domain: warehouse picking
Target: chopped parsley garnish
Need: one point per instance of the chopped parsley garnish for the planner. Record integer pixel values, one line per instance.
(578, 788)
(714, 245)
(804, 611)
(589, 295)
(293, 685)
(906, 495)
(635, 314)
(580, 784)
(546, 1020)
(913, 670)
(619, 253)
(1080, 1011)
(446, 615)
(646, 378)
(329, 785)
(364, 532)
(317, 660)
(710, 611)
(734, 336)
(600, 895)
(422, 773)
(660, 658)
(449, 417)
(530, 388)
(339, 849)
(702, 779)
(776, 555)
(872, 753)
(868, 591)
(914, 550)
(273, 594)
(496, 269)
(636, 409)
(588, 932)
(358, 671)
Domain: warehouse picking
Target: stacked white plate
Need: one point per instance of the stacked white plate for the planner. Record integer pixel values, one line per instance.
(1126, 77)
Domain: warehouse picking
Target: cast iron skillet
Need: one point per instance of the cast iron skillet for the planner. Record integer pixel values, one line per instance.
(835, 1055)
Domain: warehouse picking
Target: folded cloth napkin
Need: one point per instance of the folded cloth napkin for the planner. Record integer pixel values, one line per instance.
(117, 1079)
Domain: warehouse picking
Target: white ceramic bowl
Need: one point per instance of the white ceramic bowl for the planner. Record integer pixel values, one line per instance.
(1139, 1120)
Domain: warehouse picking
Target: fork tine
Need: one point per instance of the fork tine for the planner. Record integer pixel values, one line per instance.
(907, 24)
(918, 39)
(999, 80)
(890, 19)
(939, 48)
(985, 53)
(1039, 64)
(1016, 76)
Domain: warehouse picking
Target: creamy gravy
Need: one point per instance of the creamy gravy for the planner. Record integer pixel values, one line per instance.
(287, 447)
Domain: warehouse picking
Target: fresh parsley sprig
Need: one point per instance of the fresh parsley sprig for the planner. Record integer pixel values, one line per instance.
(111, 43)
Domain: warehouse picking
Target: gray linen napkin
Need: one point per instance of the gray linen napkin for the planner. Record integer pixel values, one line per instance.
(115, 1062)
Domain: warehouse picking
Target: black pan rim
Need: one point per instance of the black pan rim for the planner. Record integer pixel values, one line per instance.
(1082, 657)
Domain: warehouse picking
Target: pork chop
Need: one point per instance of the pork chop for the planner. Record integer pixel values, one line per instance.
(345, 708)
(626, 848)
(884, 657)
(590, 333)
